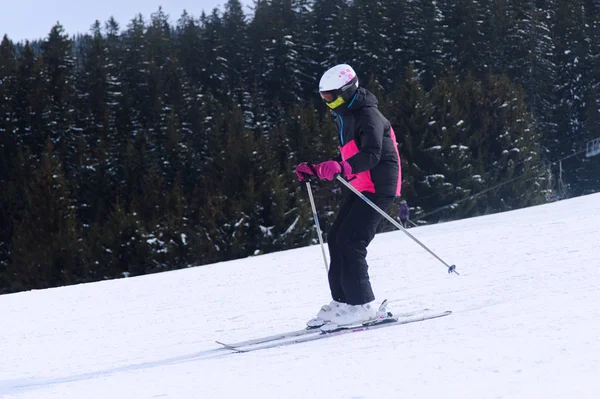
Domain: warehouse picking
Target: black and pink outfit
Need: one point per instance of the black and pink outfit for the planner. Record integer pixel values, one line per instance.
(368, 144)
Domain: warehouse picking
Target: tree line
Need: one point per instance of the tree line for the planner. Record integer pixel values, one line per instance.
(164, 145)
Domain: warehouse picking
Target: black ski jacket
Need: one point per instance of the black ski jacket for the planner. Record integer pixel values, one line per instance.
(368, 144)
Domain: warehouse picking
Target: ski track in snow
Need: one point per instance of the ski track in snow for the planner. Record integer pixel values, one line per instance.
(525, 321)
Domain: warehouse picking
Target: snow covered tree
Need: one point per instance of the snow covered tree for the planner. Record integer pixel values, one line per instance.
(573, 59)
(96, 112)
(368, 49)
(213, 64)
(8, 105)
(406, 108)
(466, 26)
(60, 95)
(276, 63)
(423, 40)
(330, 19)
(235, 52)
(480, 135)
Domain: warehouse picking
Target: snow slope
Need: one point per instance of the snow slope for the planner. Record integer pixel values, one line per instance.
(525, 323)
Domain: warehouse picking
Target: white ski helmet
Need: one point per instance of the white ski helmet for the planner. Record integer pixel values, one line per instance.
(338, 85)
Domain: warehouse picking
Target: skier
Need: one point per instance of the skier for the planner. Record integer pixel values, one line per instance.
(371, 164)
(403, 213)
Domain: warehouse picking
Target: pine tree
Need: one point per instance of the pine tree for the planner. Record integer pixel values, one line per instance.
(189, 48)
(240, 171)
(480, 135)
(116, 101)
(406, 108)
(423, 40)
(97, 85)
(465, 24)
(510, 145)
(168, 90)
(60, 93)
(198, 106)
(516, 28)
(302, 64)
(275, 60)
(213, 63)
(235, 46)
(328, 34)
(136, 96)
(32, 106)
(435, 180)
(8, 149)
(45, 244)
(572, 55)
(8, 104)
(369, 45)
(589, 174)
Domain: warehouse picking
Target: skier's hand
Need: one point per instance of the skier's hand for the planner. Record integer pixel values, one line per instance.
(304, 171)
(328, 169)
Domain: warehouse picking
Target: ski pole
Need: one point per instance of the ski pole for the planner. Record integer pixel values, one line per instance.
(314, 210)
(451, 268)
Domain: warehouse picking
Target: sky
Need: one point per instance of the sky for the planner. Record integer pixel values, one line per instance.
(525, 321)
(33, 19)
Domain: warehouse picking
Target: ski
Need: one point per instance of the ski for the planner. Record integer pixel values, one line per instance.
(270, 338)
(394, 321)
(295, 333)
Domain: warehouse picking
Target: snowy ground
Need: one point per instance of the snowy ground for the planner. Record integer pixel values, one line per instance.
(526, 322)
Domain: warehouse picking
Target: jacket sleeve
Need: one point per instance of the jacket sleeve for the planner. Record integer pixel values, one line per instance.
(370, 137)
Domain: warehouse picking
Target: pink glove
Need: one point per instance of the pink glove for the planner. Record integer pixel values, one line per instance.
(304, 171)
(328, 169)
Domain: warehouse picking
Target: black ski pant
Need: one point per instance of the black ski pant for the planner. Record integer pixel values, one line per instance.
(353, 229)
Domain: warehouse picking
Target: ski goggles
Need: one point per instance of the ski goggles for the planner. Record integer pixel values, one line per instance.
(329, 96)
(333, 98)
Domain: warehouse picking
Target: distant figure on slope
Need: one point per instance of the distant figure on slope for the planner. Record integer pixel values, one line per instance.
(403, 213)
(371, 163)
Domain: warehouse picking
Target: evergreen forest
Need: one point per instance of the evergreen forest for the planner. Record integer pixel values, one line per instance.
(172, 141)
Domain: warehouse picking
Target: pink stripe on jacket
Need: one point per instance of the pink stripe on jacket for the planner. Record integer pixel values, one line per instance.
(362, 181)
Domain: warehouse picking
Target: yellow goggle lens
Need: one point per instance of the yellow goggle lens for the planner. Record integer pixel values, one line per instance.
(336, 103)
